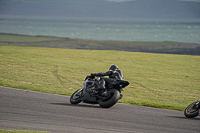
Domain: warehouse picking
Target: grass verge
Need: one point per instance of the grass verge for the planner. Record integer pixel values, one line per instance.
(156, 80)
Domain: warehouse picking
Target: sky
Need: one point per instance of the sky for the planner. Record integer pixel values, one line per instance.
(146, 10)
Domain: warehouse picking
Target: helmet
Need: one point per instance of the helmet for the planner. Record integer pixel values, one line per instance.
(113, 67)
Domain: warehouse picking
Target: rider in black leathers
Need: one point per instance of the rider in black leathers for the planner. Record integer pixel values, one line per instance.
(115, 79)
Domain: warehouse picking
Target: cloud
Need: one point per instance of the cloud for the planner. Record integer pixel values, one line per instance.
(191, 0)
(120, 0)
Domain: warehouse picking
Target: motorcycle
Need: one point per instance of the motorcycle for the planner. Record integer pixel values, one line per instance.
(192, 110)
(90, 93)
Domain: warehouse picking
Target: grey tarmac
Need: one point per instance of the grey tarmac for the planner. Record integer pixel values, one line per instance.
(28, 110)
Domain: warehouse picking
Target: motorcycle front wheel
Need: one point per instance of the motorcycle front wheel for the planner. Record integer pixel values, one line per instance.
(191, 112)
(110, 100)
(76, 97)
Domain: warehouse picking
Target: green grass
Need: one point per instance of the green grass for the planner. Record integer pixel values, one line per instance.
(61, 42)
(156, 80)
(19, 131)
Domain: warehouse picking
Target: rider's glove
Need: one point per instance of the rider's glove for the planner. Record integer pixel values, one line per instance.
(92, 74)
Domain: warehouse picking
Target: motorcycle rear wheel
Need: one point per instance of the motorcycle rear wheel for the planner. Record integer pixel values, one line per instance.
(76, 97)
(190, 112)
(110, 100)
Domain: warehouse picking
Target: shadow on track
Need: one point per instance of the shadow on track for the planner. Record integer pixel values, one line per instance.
(76, 105)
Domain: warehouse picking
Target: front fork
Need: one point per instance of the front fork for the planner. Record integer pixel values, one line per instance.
(198, 106)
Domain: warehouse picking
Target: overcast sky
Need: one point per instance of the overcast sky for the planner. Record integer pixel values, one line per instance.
(184, 10)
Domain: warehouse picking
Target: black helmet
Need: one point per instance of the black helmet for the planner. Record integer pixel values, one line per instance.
(113, 67)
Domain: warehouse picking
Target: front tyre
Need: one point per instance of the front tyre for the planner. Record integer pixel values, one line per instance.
(191, 112)
(76, 97)
(110, 100)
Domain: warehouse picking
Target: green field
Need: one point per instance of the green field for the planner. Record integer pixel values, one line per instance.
(156, 80)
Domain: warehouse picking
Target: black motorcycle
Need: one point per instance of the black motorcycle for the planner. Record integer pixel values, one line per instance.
(192, 110)
(91, 94)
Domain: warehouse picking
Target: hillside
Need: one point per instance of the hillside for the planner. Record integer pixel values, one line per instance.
(135, 10)
(67, 43)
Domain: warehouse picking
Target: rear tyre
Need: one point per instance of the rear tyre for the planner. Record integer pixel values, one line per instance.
(110, 100)
(191, 112)
(76, 97)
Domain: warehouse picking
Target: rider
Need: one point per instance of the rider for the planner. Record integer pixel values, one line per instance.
(115, 79)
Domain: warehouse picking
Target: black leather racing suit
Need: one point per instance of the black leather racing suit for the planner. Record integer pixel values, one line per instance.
(115, 79)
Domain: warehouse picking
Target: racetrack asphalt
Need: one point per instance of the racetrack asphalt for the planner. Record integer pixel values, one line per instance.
(28, 110)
